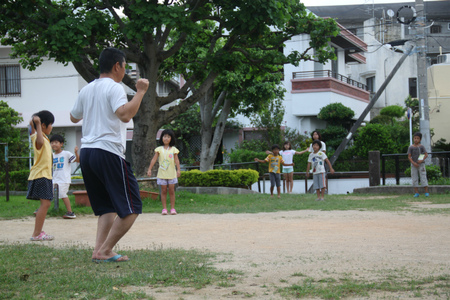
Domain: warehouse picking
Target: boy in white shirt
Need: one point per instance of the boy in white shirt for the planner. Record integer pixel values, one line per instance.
(317, 160)
(62, 170)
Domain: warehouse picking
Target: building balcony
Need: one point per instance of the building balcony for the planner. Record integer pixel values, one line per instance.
(327, 81)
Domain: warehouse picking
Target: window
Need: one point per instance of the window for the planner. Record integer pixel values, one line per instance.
(413, 87)
(10, 80)
(370, 82)
(435, 29)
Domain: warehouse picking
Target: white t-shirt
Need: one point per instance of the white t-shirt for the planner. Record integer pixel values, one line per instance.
(61, 166)
(323, 148)
(317, 161)
(96, 105)
(288, 156)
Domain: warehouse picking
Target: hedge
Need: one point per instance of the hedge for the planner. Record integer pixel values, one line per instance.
(433, 172)
(18, 180)
(228, 178)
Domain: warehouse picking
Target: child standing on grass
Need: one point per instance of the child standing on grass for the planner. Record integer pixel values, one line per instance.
(417, 155)
(40, 185)
(317, 159)
(167, 156)
(288, 167)
(275, 161)
(62, 160)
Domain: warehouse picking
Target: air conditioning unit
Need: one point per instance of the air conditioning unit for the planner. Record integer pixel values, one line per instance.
(443, 59)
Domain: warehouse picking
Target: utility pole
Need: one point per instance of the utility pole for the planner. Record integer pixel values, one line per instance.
(421, 46)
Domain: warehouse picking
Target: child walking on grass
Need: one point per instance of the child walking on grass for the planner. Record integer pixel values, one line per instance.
(417, 155)
(40, 185)
(275, 161)
(317, 159)
(167, 157)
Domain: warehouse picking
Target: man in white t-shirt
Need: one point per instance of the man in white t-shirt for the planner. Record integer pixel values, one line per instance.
(62, 160)
(109, 180)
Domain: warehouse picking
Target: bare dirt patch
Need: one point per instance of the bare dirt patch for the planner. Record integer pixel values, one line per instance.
(278, 249)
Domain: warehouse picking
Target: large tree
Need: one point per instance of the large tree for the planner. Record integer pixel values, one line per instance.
(153, 34)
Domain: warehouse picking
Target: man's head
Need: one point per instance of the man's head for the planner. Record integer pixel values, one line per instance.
(111, 58)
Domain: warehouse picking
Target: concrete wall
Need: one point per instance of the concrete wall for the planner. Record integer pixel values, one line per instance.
(439, 100)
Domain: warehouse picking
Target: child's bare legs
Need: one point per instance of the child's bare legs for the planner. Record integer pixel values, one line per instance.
(288, 183)
(278, 191)
(322, 191)
(164, 196)
(291, 179)
(271, 191)
(318, 193)
(67, 204)
(40, 216)
(172, 195)
(426, 189)
(416, 190)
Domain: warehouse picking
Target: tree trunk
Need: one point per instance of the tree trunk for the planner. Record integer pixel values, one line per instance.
(211, 137)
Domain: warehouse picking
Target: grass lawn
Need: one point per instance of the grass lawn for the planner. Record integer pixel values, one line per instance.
(30, 271)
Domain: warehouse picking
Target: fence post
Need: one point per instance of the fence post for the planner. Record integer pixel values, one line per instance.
(383, 169)
(374, 168)
(397, 170)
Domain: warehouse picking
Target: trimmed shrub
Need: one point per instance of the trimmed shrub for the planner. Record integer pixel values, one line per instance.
(433, 172)
(233, 178)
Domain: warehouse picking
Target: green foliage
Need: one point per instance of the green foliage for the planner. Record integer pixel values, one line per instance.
(233, 178)
(393, 111)
(253, 145)
(333, 135)
(297, 140)
(269, 122)
(433, 172)
(337, 114)
(15, 138)
(441, 145)
(245, 155)
(18, 180)
(373, 137)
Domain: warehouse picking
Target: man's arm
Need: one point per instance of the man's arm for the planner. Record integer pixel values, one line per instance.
(127, 111)
(74, 120)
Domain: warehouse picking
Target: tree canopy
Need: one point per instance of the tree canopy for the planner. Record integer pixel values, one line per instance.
(163, 39)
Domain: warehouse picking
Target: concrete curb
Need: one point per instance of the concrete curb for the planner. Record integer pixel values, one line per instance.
(402, 189)
(215, 190)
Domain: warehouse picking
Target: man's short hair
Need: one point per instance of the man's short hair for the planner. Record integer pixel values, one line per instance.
(108, 58)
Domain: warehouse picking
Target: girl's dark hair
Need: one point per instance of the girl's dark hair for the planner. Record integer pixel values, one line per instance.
(290, 146)
(46, 117)
(170, 132)
(318, 133)
(58, 138)
(108, 58)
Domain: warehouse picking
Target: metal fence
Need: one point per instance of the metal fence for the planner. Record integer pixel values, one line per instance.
(393, 166)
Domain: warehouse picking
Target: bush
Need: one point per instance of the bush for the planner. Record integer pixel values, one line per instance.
(234, 178)
(373, 137)
(433, 172)
(18, 180)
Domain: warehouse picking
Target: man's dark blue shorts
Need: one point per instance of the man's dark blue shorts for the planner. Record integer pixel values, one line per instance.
(110, 183)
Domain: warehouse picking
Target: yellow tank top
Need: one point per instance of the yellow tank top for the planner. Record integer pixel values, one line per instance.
(43, 160)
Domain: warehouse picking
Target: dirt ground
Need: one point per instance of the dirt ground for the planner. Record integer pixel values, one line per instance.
(269, 248)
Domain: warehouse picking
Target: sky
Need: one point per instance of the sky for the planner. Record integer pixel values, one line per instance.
(349, 2)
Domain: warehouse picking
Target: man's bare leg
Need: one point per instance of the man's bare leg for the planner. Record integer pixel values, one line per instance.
(110, 230)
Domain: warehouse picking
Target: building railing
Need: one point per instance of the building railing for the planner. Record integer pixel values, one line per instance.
(329, 74)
